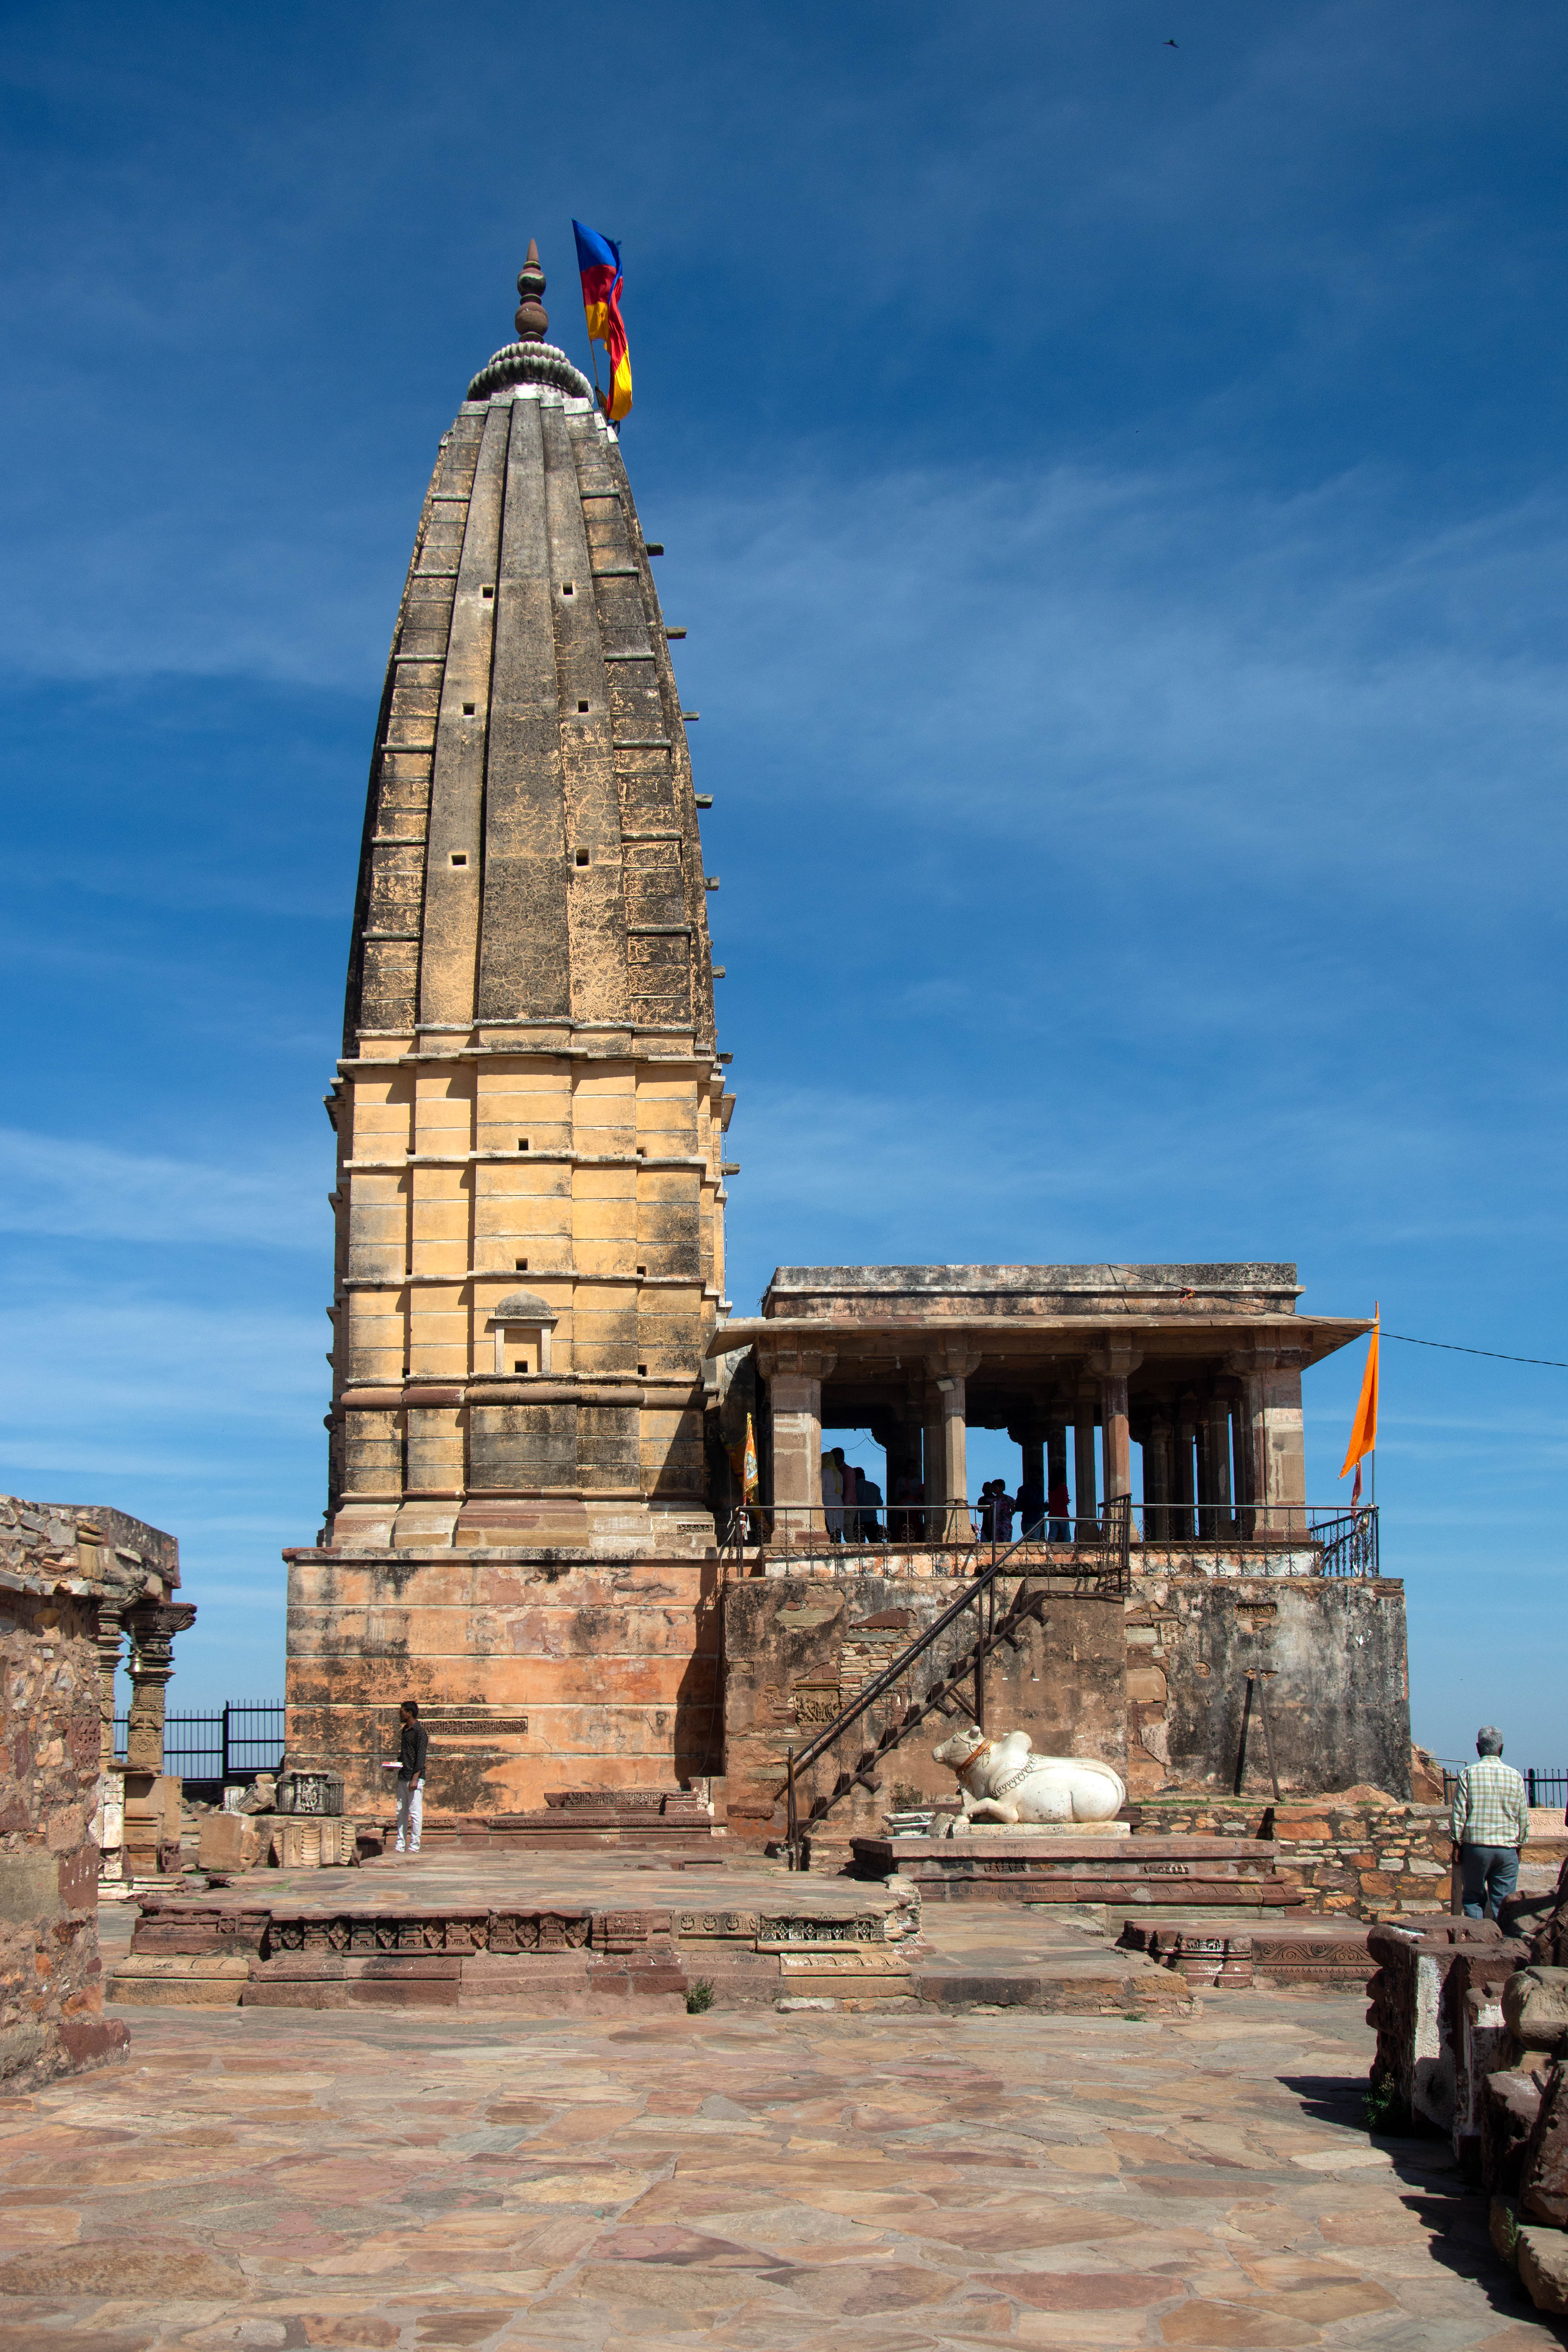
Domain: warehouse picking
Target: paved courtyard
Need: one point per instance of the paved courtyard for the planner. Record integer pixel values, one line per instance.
(747, 2179)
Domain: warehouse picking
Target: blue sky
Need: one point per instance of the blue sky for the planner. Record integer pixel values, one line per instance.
(1116, 495)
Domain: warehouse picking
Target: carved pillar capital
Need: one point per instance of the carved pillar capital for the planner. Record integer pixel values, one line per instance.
(793, 1359)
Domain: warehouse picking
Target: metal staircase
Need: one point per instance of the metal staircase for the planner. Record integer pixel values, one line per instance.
(1103, 1568)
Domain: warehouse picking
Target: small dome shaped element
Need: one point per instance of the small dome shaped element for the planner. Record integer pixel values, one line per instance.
(532, 319)
(523, 1306)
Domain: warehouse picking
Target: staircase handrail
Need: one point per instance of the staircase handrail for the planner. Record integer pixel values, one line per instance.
(1117, 1513)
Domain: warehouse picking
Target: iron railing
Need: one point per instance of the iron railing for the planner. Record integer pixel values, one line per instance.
(962, 1537)
(1541, 1788)
(246, 1737)
(967, 1535)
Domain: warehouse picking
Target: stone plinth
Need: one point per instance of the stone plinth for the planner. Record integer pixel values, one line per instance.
(1330, 1953)
(1235, 1877)
(533, 1671)
(556, 1958)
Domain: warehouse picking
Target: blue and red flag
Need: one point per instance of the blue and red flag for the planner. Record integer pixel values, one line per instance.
(599, 260)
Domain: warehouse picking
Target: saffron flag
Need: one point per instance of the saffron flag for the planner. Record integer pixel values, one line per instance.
(599, 261)
(750, 1480)
(1364, 1429)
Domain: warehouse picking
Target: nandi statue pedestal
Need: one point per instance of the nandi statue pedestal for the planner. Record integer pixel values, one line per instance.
(1007, 1789)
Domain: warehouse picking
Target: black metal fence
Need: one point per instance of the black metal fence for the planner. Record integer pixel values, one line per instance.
(1541, 1788)
(210, 1750)
(1345, 1542)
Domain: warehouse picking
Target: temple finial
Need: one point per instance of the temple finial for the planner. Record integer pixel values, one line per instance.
(532, 319)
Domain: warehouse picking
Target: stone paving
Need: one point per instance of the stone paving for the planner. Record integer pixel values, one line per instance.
(755, 2181)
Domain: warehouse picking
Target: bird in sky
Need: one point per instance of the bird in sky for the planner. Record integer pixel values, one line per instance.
(1173, 45)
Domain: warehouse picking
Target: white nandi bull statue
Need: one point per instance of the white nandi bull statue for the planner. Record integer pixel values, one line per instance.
(1004, 1781)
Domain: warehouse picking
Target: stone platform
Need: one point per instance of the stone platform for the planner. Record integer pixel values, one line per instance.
(610, 1936)
(1226, 1877)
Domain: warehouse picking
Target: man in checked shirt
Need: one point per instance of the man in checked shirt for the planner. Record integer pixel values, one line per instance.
(1490, 1823)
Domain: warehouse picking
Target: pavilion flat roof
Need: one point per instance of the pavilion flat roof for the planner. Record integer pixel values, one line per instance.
(1177, 1332)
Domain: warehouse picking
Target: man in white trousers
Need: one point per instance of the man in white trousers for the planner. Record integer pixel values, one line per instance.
(409, 1764)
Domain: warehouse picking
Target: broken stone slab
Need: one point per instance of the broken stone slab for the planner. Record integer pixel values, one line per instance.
(1543, 2266)
(1544, 2176)
(230, 1842)
(1535, 2005)
(1415, 2027)
(179, 1979)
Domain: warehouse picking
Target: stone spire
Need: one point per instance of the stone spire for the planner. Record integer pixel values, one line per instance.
(529, 1094)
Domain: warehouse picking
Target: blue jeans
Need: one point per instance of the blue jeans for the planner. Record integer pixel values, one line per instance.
(1059, 1531)
(1489, 1875)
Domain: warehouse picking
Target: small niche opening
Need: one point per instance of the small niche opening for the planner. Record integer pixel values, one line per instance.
(642, 1269)
(487, 591)
(581, 706)
(522, 1143)
(581, 858)
(468, 709)
(459, 856)
(521, 1264)
(568, 588)
(641, 1153)
(520, 1363)
(642, 1372)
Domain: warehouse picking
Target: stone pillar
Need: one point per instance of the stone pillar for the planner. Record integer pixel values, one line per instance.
(1284, 1448)
(795, 1378)
(1028, 1434)
(1056, 1454)
(900, 1434)
(152, 1670)
(110, 1634)
(1157, 1479)
(1275, 1448)
(1086, 1501)
(153, 1626)
(1218, 1524)
(109, 1815)
(932, 1522)
(1241, 1456)
(1184, 1491)
(1113, 1365)
(947, 1466)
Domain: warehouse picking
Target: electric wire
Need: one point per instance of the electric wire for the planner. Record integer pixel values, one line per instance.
(1453, 1348)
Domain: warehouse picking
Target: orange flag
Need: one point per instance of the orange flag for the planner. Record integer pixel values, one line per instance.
(1364, 1429)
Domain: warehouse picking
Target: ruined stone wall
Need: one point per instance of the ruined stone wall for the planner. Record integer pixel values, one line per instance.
(1337, 1690)
(1367, 1860)
(51, 2000)
(797, 1648)
(1155, 1685)
(531, 1674)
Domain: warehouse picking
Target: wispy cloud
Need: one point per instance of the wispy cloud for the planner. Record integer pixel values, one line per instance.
(71, 1188)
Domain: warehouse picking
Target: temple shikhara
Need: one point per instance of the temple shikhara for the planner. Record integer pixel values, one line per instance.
(539, 1522)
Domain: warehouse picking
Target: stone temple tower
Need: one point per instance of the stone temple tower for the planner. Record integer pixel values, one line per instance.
(530, 1104)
